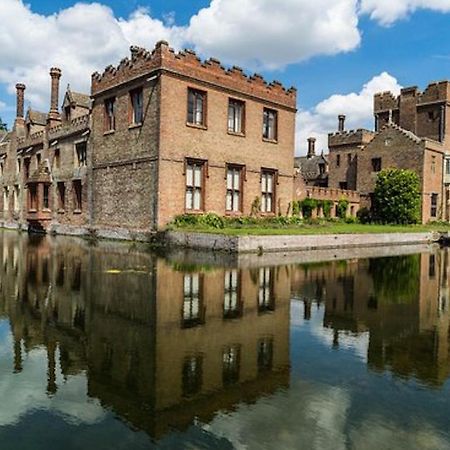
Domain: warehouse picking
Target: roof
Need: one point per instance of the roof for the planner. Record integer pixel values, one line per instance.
(78, 99)
(309, 167)
(408, 134)
(36, 117)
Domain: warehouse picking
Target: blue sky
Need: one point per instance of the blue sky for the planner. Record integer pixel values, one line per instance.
(336, 52)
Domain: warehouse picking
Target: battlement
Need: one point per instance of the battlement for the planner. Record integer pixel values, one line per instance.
(76, 125)
(385, 101)
(187, 63)
(435, 92)
(351, 137)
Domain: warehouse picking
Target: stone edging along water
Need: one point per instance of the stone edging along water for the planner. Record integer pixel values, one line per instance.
(283, 243)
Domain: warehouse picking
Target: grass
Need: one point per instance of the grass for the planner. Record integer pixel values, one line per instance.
(311, 229)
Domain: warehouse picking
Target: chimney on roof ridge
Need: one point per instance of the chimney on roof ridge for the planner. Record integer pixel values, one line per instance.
(54, 116)
(341, 126)
(20, 99)
(311, 147)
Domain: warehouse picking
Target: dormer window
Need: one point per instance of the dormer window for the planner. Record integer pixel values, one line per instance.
(68, 112)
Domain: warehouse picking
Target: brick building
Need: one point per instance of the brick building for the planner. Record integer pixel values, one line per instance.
(165, 134)
(410, 133)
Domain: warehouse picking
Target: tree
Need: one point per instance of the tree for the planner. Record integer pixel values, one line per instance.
(3, 126)
(397, 197)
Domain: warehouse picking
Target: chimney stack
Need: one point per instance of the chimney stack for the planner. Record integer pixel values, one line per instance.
(54, 116)
(341, 118)
(311, 147)
(20, 93)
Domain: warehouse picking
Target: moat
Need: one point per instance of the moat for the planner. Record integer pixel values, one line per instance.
(109, 346)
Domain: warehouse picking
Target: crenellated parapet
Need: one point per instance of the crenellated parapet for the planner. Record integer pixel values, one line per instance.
(350, 138)
(76, 125)
(187, 64)
(385, 101)
(435, 92)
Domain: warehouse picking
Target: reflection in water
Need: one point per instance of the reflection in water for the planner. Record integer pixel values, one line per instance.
(211, 355)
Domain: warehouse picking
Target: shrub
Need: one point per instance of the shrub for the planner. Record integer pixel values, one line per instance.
(341, 209)
(364, 215)
(256, 206)
(212, 220)
(326, 208)
(397, 197)
(308, 205)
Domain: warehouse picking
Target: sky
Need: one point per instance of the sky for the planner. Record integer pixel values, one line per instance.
(337, 53)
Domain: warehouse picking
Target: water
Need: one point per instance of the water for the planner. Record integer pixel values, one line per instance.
(109, 346)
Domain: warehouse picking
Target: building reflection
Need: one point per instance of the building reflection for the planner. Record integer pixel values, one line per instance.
(401, 302)
(160, 344)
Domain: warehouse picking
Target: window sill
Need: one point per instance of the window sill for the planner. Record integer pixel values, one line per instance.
(107, 133)
(32, 211)
(46, 210)
(233, 213)
(194, 211)
(77, 211)
(267, 214)
(270, 141)
(134, 126)
(233, 133)
(198, 127)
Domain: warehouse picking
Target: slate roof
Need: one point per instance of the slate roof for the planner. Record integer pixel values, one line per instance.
(78, 98)
(309, 167)
(36, 117)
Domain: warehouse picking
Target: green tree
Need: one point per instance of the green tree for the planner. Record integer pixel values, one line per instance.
(3, 126)
(397, 197)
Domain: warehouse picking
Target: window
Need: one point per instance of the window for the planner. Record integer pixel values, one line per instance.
(110, 114)
(266, 294)
(16, 196)
(2, 168)
(376, 164)
(338, 160)
(18, 165)
(267, 191)
(61, 187)
(81, 152)
(447, 166)
(234, 187)
(56, 159)
(38, 160)
(33, 196)
(433, 164)
(5, 199)
(231, 365)
(194, 185)
(45, 197)
(77, 196)
(343, 185)
(349, 158)
(270, 124)
(137, 106)
(321, 169)
(236, 110)
(265, 354)
(231, 304)
(68, 112)
(196, 107)
(434, 202)
(26, 164)
(192, 304)
(192, 375)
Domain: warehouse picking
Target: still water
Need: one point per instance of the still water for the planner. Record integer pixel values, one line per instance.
(109, 346)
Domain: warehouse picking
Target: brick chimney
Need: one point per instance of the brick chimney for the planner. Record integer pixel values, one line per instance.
(54, 116)
(311, 147)
(341, 126)
(20, 99)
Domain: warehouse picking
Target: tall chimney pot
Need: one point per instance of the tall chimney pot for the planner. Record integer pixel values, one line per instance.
(311, 147)
(341, 126)
(54, 116)
(20, 99)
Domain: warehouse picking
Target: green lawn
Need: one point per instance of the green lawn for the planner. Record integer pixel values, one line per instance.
(322, 228)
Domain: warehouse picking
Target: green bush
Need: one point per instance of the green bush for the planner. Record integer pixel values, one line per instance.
(308, 205)
(397, 197)
(364, 215)
(326, 208)
(341, 209)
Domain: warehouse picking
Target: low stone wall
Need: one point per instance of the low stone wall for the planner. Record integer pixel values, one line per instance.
(284, 243)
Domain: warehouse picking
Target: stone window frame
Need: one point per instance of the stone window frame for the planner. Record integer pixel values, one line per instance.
(192, 116)
(192, 186)
(239, 168)
(61, 196)
(270, 123)
(78, 156)
(231, 119)
(77, 196)
(265, 192)
(136, 107)
(109, 115)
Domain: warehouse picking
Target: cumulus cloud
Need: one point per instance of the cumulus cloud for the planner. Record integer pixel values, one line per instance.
(254, 33)
(357, 106)
(386, 12)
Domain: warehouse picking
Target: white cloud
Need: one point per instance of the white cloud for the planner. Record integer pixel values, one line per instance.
(386, 12)
(357, 106)
(254, 33)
